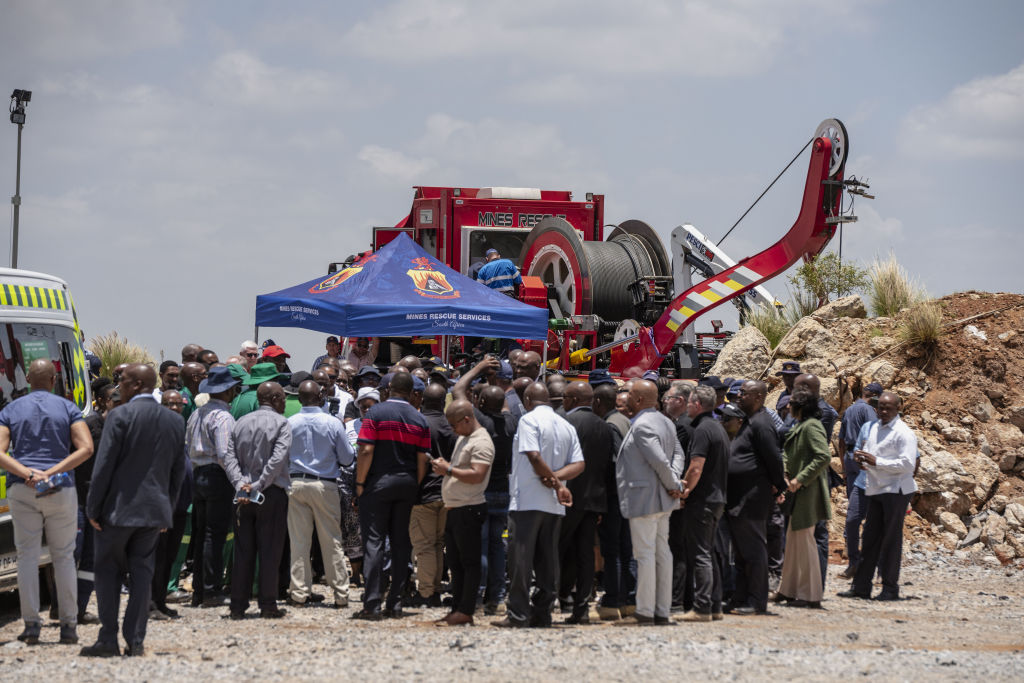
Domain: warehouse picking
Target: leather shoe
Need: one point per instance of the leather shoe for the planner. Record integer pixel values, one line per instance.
(854, 594)
(608, 613)
(509, 622)
(100, 650)
(236, 616)
(887, 597)
(636, 620)
(717, 616)
(692, 616)
(578, 617)
(68, 634)
(393, 612)
(663, 621)
(368, 615)
(779, 597)
(434, 600)
(136, 650)
(272, 613)
(746, 611)
(455, 619)
(157, 615)
(848, 572)
(179, 596)
(88, 618)
(804, 603)
(213, 601)
(30, 636)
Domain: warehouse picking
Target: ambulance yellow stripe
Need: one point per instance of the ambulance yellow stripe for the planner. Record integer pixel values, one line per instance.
(32, 297)
(710, 296)
(3, 296)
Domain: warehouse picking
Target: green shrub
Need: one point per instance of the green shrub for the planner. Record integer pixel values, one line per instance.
(825, 275)
(114, 350)
(890, 288)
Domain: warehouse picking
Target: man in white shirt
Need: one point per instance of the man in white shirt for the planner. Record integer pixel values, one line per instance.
(545, 454)
(888, 457)
(362, 351)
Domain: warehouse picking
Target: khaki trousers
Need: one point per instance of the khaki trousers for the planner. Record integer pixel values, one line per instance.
(426, 531)
(801, 569)
(316, 504)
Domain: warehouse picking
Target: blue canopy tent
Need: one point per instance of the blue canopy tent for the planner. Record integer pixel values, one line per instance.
(400, 291)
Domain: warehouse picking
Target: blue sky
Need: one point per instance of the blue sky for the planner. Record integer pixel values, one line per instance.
(181, 158)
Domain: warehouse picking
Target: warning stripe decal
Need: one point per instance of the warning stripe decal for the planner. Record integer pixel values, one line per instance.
(24, 296)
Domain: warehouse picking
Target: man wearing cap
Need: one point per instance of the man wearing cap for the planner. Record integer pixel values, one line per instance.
(258, 467)
(363, 351)
(278, 356)
(318, 451)
(500, 274)
(210, 443)
(394, 441)
(247, 401)
(789, 372)
(856, 416)
(755, 478)
(333, 347)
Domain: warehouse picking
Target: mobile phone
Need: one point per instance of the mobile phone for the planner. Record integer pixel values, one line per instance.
(253, 497)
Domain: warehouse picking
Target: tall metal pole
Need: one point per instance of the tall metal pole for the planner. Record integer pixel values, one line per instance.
(16, 200)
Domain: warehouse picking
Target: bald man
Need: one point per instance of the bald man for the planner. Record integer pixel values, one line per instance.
(258, 470)
(318, 451)
(647, 472)
(192, 373)
(465, 479)
(590, 500)
(135, 484)
(41, 435)
(545, 454)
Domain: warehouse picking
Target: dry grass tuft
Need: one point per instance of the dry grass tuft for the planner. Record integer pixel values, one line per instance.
(770, 321)
(922, 324)
(114, 350)
(890, 288)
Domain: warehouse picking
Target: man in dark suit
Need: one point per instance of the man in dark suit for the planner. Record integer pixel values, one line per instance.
(135, 483)
(590, 499)
(755, 478)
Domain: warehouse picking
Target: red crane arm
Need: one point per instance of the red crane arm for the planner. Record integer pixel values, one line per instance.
(808, 236)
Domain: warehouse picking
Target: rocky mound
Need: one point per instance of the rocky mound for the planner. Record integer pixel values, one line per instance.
(965, 401)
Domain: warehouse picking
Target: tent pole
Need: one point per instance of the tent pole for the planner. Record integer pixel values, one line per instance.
(256, 335)
(544, 362)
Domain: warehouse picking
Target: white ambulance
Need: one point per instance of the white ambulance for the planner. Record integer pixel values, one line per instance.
(37, 320)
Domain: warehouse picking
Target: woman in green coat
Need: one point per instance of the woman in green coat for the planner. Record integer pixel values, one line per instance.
(806, 461)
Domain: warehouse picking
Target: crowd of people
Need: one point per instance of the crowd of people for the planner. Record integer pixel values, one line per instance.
(521, 494)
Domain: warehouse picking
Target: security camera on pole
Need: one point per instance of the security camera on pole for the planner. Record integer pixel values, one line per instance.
(19, 99)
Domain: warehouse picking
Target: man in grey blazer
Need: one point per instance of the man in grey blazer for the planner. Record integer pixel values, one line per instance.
(647, 475)
(135, 483)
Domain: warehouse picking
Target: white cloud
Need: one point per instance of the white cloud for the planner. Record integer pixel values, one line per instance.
(240, 77)
(562, 90)
(981, 119)
(487, 152)
(394, 164)
(698, 37)
(64, 32)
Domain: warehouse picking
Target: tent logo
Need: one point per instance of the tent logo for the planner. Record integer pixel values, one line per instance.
(334, 280)
(429, 282)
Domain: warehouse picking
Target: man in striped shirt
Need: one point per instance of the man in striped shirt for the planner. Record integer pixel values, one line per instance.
(394, 440)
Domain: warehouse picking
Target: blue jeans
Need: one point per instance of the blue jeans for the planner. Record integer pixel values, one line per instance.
(493, 547)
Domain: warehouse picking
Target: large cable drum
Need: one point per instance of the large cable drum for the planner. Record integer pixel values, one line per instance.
(593, 278)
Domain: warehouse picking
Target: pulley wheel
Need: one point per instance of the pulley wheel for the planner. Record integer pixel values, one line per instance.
(553, 251)
(627, 328)
(834, 130)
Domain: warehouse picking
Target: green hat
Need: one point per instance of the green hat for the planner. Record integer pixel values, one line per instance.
(260, 373)
(237, 371)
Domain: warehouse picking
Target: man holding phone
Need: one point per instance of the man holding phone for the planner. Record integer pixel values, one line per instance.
(258, 470)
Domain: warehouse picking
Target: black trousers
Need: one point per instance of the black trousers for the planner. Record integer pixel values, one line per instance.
(532, 552)
(682, 558)
(124, 554)
(166, 552)
(462, 534)
(617, 553)
(212, 513)
(384, 511)
(576, 557)
(821, 540)
(750, 551)
(776, 536)
(882, 543)
(259, 532)
(700, 521)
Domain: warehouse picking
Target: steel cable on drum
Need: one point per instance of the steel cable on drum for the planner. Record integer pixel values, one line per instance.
(612, 271)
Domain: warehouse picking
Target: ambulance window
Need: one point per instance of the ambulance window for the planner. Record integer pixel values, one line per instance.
(22, 343)
(508, 242)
